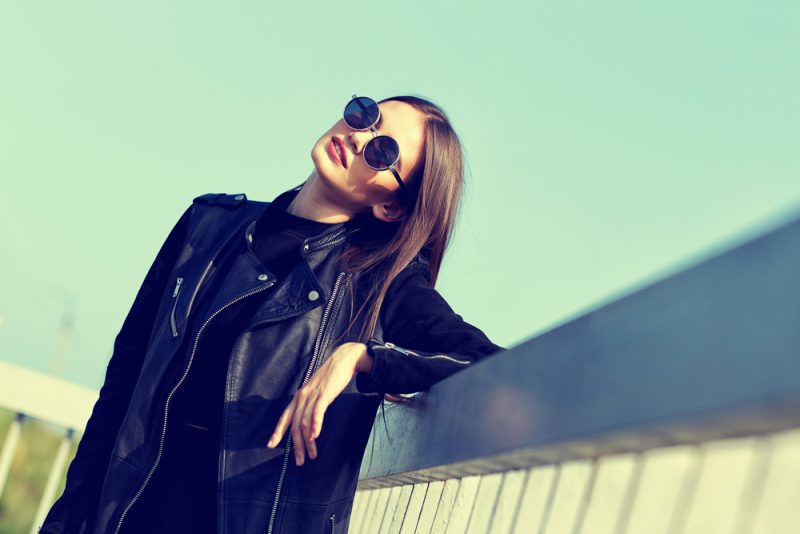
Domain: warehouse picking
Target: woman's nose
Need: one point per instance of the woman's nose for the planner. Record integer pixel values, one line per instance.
(360, 138)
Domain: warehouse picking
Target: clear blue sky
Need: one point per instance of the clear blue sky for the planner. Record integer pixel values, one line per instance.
(608, 144)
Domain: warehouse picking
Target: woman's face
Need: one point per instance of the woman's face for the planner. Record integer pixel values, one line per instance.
(352, 181)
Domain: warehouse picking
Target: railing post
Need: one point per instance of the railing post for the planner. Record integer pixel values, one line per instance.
(9, 447)
(52, 480)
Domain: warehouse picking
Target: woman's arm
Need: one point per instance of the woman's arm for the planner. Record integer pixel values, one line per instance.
(415, 315)
(75, 509)
(424, 340)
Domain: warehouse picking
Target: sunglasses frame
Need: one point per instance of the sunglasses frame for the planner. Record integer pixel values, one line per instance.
(376, 134)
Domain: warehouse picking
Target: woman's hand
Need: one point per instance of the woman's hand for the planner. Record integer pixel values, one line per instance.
(307, 409)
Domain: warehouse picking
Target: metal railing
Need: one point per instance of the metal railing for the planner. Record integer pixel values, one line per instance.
(34, 395)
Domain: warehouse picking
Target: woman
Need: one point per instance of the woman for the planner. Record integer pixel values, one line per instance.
(295, 317)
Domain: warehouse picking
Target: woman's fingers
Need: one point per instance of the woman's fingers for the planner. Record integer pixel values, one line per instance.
(298, 435)
(313, 416)
(306, 427)
(311, 445)
(312, 422)
(280, 428)
(291, 416)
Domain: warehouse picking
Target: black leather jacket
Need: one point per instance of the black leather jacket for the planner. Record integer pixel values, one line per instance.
(260, 489)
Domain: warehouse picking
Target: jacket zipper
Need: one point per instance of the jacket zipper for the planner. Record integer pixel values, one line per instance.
(172, 322)
(175, 388)
(197, 287)
(409, 352)
(333, 522)
(310, 370)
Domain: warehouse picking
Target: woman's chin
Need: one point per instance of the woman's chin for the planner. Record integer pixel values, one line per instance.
(329, 169)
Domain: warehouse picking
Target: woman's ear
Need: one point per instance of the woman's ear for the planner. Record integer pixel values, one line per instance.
(389, 211)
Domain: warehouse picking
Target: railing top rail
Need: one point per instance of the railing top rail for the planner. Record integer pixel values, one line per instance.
(45, 397)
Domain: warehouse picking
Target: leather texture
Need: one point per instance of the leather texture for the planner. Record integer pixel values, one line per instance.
(260, 489)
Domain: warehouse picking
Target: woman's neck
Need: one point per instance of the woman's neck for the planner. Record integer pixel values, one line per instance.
(312, 202)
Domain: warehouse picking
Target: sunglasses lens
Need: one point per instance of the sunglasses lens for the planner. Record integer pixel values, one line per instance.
(361, 113)
(381, 152)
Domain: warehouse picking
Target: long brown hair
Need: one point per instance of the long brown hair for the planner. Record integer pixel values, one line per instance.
(434, 203)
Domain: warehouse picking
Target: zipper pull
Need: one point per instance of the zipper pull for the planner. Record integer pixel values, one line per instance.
(178, 283)
(173, 324)
(390, 345)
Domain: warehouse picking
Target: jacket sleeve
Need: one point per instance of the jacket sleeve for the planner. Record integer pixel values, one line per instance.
(423, 339)
(74, 511)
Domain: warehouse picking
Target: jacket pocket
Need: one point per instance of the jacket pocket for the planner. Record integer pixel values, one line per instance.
(173, 323)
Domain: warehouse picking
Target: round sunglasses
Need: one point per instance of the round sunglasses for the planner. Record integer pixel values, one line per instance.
(381, 152)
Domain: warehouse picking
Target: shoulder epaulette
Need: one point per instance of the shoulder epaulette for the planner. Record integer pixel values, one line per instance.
(221, 199)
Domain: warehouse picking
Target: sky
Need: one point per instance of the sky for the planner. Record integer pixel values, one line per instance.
(608, 145)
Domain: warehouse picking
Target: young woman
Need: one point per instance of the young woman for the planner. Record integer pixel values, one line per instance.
(271, 331)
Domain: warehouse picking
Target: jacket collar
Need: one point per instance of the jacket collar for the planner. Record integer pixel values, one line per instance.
(310, 244)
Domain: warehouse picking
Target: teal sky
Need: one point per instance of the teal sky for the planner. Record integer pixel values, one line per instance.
(608, 144)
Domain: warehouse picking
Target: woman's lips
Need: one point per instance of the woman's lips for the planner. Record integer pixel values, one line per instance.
(342, 150)
(334, 154)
